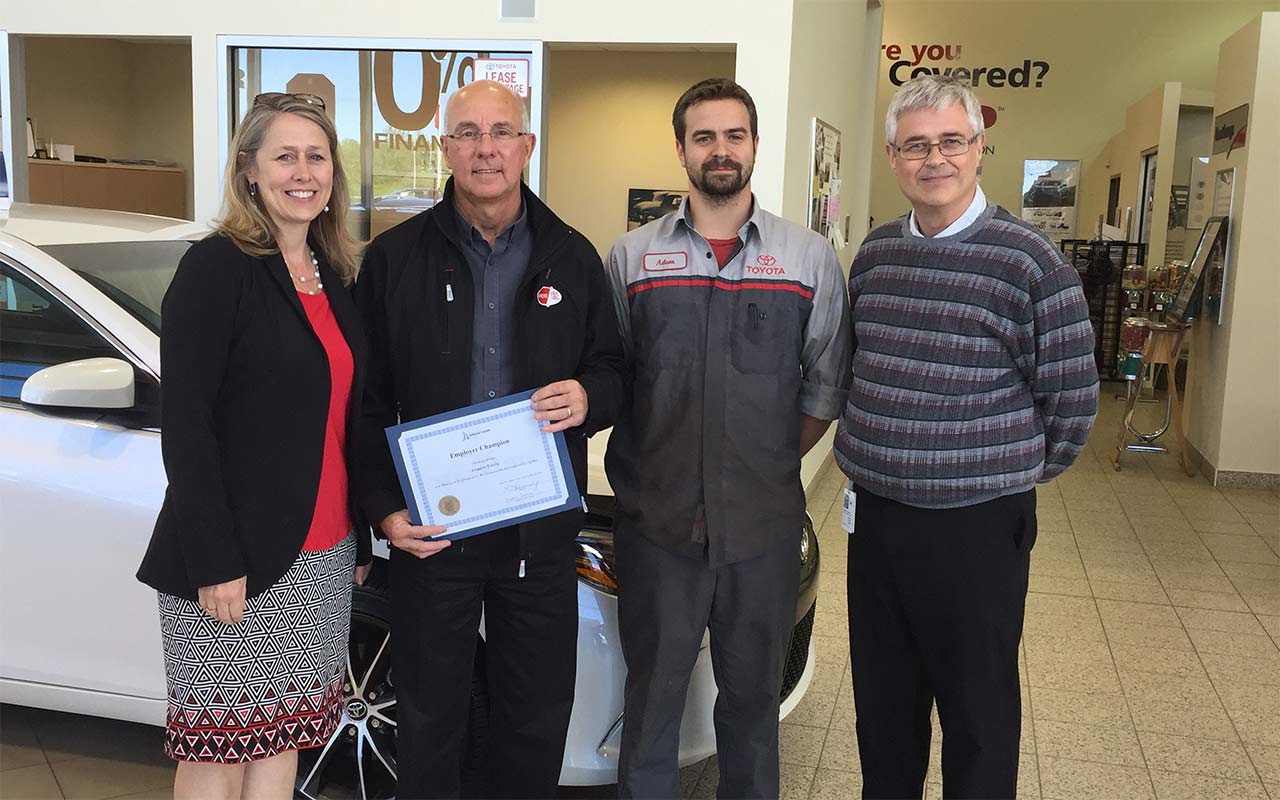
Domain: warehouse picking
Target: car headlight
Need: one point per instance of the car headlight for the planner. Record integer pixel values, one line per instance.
(595, 560)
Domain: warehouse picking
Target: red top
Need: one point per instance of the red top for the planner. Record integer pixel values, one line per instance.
(723, 248)
(331, 521)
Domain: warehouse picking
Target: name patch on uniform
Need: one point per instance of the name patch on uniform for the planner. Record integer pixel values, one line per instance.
(665, 262)
(548, 296)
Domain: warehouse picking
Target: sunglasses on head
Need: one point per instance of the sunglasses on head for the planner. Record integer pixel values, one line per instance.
(271, 99)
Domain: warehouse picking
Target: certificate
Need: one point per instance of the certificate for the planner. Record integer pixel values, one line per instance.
(482, 467)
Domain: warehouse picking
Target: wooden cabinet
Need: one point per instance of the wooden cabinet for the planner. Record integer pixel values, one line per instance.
(118, 187)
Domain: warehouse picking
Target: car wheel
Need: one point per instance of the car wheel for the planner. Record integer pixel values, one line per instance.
(359, 759)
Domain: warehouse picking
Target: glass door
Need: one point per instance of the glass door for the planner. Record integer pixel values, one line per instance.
(388, 108)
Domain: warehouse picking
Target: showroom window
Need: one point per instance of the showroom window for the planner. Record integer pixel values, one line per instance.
(37, 331)
(387, 106)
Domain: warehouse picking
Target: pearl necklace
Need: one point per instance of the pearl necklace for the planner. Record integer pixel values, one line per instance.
(313, 277)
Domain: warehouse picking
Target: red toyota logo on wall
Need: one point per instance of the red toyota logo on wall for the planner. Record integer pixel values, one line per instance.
(766, 261)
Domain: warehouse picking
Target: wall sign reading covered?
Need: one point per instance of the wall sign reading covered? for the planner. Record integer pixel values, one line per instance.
(1029, 74)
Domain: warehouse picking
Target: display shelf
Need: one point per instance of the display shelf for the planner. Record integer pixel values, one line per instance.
(1101, 267)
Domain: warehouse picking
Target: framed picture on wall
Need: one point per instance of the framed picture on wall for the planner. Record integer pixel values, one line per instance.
(824, 178)
(1210, 254)
(1049, 195)
(646, 205)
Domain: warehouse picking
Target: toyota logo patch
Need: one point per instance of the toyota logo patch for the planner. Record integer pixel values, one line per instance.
(548, 296)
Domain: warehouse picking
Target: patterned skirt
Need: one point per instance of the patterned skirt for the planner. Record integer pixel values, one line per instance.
(270, 683)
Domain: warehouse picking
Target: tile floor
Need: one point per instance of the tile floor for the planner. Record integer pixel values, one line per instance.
(1150, 659)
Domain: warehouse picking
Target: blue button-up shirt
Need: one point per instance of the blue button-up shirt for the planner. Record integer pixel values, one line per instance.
(495, 273)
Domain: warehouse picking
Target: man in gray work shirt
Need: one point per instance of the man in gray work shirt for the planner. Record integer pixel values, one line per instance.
(736, 325)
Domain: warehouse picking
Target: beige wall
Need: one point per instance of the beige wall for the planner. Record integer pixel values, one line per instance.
(1233, 385)
(113, 98)
(1150, 124)
(608, 129)
(1103, 57)
(830, 80)
(826, 63)
(78, 93)
(1195, 140)
(161, 87)
(1161, 121)
(865, 144)
(625, 99)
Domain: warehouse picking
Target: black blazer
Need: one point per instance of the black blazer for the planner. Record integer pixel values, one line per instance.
(244, 403)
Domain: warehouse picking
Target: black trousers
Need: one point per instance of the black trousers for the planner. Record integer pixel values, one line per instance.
(936, 600)
(666, 603)
(531, 634)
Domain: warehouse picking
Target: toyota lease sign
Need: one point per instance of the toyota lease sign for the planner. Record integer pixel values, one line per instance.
(512, 73)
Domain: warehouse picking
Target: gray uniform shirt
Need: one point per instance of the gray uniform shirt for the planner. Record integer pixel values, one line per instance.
(495, 274)
(706, 461)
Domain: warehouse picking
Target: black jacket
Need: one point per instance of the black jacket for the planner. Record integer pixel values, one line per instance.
(420, 343)
(244, 404)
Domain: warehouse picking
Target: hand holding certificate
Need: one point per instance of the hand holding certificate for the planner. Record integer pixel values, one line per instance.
(560, 405)
(483, 467)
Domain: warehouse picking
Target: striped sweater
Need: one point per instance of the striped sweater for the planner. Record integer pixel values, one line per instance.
(973, 368)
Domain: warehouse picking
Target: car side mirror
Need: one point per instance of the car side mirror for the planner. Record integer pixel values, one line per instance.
(90, 383)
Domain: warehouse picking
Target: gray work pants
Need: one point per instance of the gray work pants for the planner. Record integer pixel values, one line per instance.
(665, 604)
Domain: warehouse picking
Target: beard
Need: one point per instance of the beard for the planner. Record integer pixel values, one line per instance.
(720, 187)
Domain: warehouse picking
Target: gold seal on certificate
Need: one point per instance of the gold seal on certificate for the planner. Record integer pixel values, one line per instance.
(449, 505)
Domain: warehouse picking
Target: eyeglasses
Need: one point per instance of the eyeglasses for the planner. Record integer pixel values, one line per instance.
(272, 99)
(918, 151)
(471, 138)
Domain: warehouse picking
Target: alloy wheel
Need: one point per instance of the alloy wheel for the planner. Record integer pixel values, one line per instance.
(359, 759)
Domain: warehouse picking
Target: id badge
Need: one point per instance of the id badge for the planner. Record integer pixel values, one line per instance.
(848, 506)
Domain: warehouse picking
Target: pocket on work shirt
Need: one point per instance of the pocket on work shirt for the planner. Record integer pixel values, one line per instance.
(766, 337)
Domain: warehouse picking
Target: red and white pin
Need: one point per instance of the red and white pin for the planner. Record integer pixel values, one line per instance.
(548, 296)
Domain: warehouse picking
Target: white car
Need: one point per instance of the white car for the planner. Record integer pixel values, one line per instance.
(81, 481)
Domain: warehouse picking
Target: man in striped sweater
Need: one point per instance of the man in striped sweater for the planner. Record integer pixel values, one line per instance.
(973, 379)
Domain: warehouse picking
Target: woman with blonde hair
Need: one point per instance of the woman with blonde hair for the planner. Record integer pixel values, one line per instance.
(256, 546)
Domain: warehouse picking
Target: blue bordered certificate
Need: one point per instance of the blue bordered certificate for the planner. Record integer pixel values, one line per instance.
(482, 467)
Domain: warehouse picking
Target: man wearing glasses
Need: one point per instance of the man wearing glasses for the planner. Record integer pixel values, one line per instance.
(486, 294)
(973, 378)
